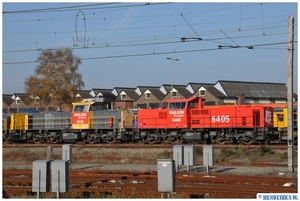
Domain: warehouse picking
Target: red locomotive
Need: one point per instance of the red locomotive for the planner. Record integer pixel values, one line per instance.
(186, 120)
(182, 121)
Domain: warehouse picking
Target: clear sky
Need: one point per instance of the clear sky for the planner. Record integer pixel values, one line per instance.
(126, 44)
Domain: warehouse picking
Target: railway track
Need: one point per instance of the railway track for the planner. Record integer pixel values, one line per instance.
(140, 145)
(128, 184)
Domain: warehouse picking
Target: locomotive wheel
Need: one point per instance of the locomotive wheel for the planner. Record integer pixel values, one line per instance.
(250, 142)
(49, 140)
(239, 140)
(108, 139)
(171, 140)
(145, 141)
(91, 140)
(182, 141)
(208, 141)
(52, 140)
(36, 139)
(111, 140)
(84, 140)
(5, 139)
(152, 142)
(233, 141)
(221, 142)
(174, 141)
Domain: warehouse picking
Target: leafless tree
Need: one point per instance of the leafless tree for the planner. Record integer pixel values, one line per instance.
(56, 77)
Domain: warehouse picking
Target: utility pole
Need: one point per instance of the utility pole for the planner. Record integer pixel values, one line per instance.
(290, 130)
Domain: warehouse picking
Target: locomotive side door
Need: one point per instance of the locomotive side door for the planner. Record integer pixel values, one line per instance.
(177, 114)
(80, 116)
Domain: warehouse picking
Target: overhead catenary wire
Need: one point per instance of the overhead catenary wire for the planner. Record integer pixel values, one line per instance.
(55, 9)
(246, 28)
(163, 41)
(161, 53)
(229, 38)
(249, 28)
(154, 45)
(191, 27)
(240, 17)
(81, 7)
(143, 27)
(141, 16)
(262, 18)
(93, 28)
(159, 40)
(132, 44)
(105, 32)
(162, 38)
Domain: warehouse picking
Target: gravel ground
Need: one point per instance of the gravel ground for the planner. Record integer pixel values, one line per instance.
(23, 159)
(234, 170)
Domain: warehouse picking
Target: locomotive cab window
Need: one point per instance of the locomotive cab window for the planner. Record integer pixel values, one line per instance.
(192, 105)
(280, 117)
(177, 105)
(81, 108)
(97, 107)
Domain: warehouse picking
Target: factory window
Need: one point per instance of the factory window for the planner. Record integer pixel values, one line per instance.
(147, 95)
(174, 94)
(37, 100)
(202, 92)
(78, 98)
(18, 101)
(123, 97)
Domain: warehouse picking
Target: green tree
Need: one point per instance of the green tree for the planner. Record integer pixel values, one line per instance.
(56, 77)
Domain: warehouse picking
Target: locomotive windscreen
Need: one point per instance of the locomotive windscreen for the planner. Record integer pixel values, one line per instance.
(177, 105)
(81, 108)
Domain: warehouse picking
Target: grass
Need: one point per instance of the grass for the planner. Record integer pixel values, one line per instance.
(242, 154)
(124, 156)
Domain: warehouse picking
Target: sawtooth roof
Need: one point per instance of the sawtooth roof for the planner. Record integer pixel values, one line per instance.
(107, 94)
(252, 89)
(131, 93)
(155, 91)
(7, 100)
(214, 91)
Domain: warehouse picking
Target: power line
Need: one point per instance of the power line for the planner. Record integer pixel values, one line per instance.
(81, 7)
(249, 28)
(145, 42)
(162, 53)
(56, 9)
(256, 27)
(159, 39)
